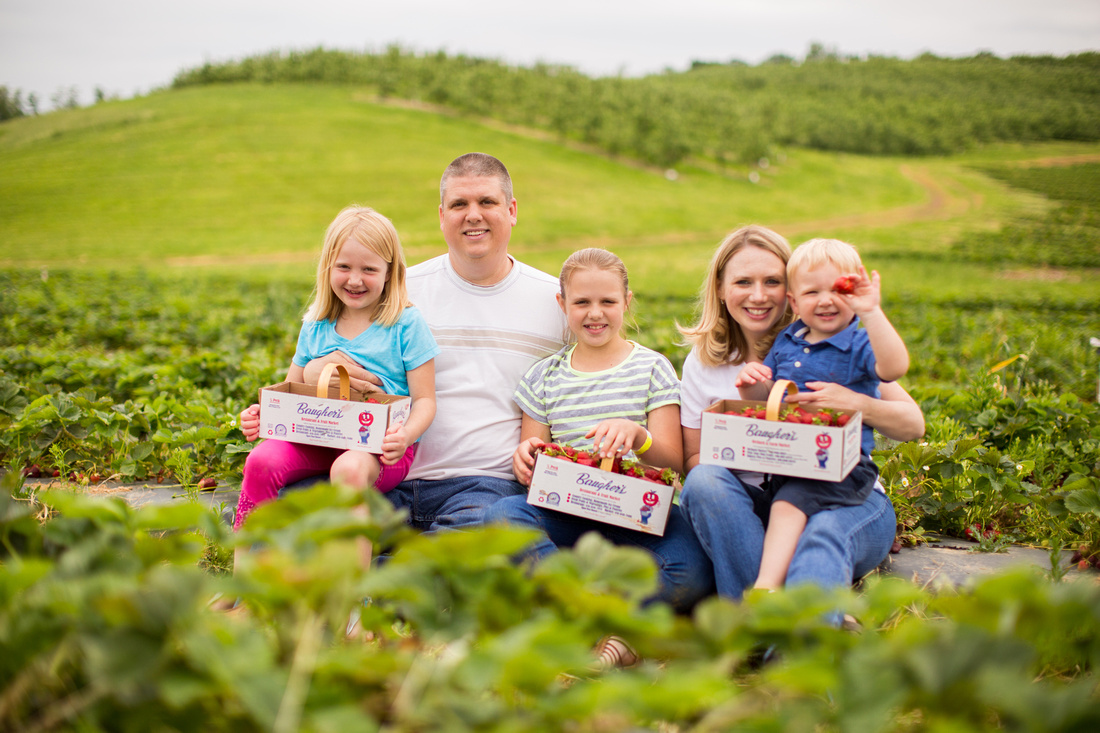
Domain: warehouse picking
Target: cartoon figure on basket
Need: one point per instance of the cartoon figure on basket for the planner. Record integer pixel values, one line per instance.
(823, 443)
(360, 308)
(365, 420)
(650, 499)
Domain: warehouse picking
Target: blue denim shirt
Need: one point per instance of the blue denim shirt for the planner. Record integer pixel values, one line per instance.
(845, 359)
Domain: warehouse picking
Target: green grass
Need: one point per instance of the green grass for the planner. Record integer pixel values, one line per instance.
(249, 172)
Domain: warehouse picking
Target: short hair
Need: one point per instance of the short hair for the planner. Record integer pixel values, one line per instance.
(716, 336)
(377, 233)
(476, 165)
(817, 252)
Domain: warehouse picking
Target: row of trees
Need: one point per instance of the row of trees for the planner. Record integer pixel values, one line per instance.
(730, 112)
(12, 104)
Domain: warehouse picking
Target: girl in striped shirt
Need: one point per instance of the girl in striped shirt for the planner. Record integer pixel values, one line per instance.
(607, 394)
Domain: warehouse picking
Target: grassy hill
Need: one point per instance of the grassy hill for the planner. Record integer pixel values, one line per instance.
(251, 174)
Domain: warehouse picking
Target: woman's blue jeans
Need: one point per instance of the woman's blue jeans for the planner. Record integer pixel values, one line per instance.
(837, 546)
(683, 568)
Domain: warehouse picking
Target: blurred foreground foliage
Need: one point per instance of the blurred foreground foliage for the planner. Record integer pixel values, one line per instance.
(105, 626)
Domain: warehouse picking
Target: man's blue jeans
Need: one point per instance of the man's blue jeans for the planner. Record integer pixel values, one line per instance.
(684, 571)
(837, 546)
(455, 503)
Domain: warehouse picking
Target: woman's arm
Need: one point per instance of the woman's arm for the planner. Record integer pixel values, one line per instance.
(668, 441)
(691, 448)
(896, 415)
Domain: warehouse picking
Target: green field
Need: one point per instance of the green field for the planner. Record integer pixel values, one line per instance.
(157, 254)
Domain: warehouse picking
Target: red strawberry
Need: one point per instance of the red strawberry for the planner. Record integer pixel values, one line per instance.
(653, 474)
(585, 458)
(845, 284)
(842, 420)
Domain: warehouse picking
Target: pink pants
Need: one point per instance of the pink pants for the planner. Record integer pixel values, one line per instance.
(274, 464)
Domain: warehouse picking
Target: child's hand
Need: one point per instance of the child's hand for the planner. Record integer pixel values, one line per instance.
(394, 444)
(612, 437)
(250, 423)
(523, 460)
(753, 372)
(866, 295)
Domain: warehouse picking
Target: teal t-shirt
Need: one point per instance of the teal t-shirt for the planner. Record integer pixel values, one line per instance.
(387, 352)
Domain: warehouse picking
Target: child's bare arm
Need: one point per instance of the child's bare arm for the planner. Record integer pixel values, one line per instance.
(891, 356)
(668, 439)
(422, 390)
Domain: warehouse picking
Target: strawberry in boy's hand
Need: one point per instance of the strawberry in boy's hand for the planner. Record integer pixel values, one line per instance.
(846, 284)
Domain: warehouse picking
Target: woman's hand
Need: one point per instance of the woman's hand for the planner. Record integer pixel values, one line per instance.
(361, 380)
(896, 415)
(831, 396)
(523, 460)
(619, 435)
(250, 423)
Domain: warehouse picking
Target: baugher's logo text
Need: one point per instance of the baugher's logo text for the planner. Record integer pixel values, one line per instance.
(585, 480)
(304, 409)
(755, 432)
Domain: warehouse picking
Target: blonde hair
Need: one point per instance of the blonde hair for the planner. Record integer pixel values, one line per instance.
(377, 233)
(817, 252)
(716, 336)
(594, 258)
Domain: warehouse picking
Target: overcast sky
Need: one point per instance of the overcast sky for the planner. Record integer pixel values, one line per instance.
(132, 46)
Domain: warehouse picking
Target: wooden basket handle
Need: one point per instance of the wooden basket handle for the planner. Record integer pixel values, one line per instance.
(780, 389)
(607, 464)
(326, 378)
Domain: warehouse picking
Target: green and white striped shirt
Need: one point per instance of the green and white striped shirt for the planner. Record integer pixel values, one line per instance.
(572, 402)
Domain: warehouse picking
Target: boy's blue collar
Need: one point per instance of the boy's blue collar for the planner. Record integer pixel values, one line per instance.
(842, 340)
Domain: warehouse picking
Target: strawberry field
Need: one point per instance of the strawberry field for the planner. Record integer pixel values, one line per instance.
(135, 373)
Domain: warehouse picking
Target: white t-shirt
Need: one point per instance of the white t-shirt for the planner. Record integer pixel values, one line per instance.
(700, 388)
(488, 338)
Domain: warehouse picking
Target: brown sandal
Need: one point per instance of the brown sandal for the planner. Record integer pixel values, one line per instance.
(612, 652)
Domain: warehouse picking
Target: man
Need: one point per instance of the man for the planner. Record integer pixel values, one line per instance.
(493, 317)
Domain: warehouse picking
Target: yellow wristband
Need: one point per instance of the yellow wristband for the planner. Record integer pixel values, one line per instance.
(646, 445)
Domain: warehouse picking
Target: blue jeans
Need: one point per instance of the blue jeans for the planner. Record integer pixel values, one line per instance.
(451, 503)
(683, 568)
(837, 546)
(454, 503)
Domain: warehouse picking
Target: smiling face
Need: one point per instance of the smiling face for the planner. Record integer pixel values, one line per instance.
(358, 277)
(595, 304)
(754, 289)
(814, 301)
(476, 218)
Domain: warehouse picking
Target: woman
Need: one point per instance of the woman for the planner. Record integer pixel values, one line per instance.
(743, 305)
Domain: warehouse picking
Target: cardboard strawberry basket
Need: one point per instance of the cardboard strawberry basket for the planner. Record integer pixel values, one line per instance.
(336, 417)
(601, 493)
(772, 445)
